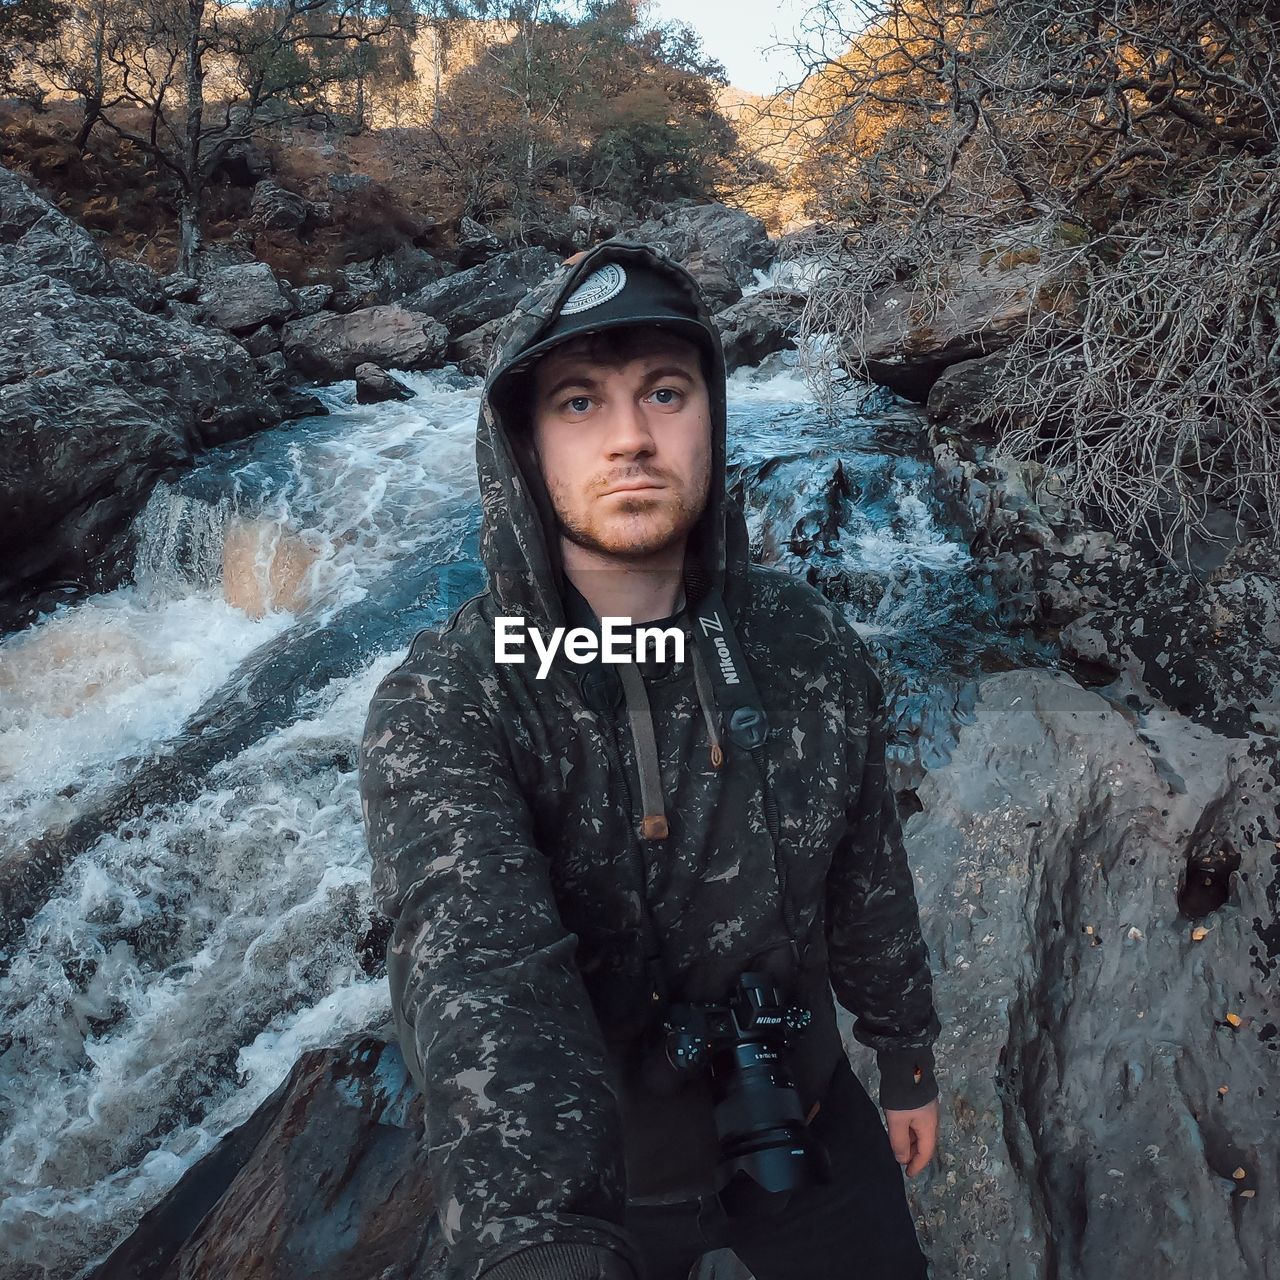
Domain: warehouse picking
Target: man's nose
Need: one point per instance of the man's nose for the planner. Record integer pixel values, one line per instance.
(628, 433)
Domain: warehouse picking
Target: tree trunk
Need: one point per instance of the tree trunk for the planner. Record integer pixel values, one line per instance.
(193, 183)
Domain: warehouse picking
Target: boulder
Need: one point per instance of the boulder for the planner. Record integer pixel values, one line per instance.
(388, 278)
(97, 399)
(956, 398)
(274, 208)
(264, 1202)
(139, 284)
(908, 340)
(471, 351)
(758, 325)
(1108, 1075)
(329, 347)
(471, 298)
(261, 341)
(312, 298)
(712, 232)
(475, 243)
(38, 239)
(180, 288)
(241, 298)
(374, 385)
(718, 287)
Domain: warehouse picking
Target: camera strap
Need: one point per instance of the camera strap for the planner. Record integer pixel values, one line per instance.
(741, 711)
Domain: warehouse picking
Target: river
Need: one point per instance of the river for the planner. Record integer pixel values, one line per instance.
(184, 959)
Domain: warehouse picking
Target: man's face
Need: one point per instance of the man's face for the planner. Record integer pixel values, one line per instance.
(624, 443)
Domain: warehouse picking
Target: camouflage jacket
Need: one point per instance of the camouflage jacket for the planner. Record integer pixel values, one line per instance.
(498, 809)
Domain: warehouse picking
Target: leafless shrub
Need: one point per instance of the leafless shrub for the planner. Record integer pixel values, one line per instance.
(1128, 154)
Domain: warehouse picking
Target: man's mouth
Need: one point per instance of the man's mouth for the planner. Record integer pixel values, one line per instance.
(633, 486)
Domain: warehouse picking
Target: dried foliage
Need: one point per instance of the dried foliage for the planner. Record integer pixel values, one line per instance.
(1131, 152)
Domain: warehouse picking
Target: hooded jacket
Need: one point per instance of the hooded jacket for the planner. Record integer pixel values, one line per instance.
(533, 921)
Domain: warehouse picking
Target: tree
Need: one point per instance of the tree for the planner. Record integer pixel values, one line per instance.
(24, 24)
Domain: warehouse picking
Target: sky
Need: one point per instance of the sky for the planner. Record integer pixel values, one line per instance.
(737, 33)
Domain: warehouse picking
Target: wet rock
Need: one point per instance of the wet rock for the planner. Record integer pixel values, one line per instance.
(241, 298)
(718, 287)
(97, 399)
(758, 326)
(734, 239)
(329, 347)
(464, 302)
(1085, 1032)
(374, 385)
(326, 1181)
(274, 208)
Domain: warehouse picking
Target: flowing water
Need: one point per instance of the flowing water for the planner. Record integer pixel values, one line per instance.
(182, 962)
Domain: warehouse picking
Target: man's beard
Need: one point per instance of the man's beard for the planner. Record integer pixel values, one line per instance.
(635, 541)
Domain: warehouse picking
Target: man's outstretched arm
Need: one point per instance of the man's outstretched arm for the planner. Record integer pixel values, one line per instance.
(524, 1144)
(879, 962)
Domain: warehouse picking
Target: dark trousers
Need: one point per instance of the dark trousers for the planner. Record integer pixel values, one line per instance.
(857, 1226)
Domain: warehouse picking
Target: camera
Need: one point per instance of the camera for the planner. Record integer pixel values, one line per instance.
(766, 1150)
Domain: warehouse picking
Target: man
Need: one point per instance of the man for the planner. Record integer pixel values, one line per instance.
(572, 860)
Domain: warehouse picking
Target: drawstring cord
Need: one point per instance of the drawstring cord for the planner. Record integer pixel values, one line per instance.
(707, 701)
(654, 823)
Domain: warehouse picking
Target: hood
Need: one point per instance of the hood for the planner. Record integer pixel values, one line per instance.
(519, 542)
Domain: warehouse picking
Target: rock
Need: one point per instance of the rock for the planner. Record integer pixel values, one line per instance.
(959, 392)
(475, 243)
(96, 399)
(38, 239)
(329, 347)
(471, 351)
(312, 298)
(275, 209)
(388, 278)
(905, 346)
(340, 1135)
(243, 163)
(180, 288)
(471, 298)
(1209, 650)
(240, 298)
(712, 232)
(718, 287)
(374, 385)
(1084, 1035)
(139, 284)
(273, 365)
(759, 325)
(261, 341)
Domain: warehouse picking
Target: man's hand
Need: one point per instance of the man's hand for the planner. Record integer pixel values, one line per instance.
(913, 1135)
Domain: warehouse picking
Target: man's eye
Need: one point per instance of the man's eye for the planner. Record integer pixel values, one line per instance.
(666, 395)
(578, 404)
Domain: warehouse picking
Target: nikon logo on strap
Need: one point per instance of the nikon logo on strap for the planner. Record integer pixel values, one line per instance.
(728, 670)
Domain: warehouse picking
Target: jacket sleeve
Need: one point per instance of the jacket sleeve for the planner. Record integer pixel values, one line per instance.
(878, 959)
(523, 1139)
